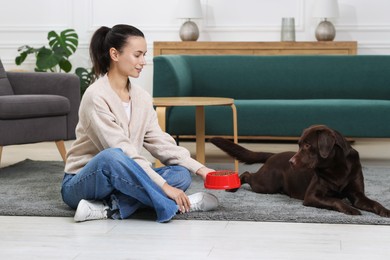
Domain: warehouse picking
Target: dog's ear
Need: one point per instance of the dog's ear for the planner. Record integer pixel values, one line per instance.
(326, 140)
(342, 143)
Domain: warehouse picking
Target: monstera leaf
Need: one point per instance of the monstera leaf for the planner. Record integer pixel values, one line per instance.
(24, 50)
(86, 78)
(64, 44)
(46, 59)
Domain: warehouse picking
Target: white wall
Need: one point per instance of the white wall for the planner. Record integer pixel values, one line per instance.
(27, 22)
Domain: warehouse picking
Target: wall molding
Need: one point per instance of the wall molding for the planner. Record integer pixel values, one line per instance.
(363, 27)
(374, 45)
(32, 28)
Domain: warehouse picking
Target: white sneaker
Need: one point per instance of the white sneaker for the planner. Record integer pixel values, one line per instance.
(90, 210)
(203, 201)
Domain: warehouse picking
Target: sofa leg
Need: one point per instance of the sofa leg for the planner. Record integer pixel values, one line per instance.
(61, 148)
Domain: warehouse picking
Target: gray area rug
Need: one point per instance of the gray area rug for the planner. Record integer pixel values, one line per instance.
(32, 188)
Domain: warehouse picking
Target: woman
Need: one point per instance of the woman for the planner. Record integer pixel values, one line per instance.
(105, 174)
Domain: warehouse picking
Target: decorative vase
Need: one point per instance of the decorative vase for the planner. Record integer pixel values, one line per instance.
(288, 29)
(189, 31)
(325, 31)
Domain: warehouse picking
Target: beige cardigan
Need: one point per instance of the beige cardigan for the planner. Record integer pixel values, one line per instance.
(103, 124)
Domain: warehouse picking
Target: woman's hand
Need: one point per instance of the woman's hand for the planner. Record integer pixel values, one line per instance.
(178, 196)
(204, 171)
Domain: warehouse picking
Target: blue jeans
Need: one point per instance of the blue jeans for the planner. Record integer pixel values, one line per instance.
(114, 177)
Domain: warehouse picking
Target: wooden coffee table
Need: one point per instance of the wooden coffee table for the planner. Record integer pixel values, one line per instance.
(162, 103)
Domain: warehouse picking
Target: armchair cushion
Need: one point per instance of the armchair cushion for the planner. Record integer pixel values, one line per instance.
(31, 106)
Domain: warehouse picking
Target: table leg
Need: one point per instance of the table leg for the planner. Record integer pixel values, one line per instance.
(161, 114)
(235, 132)
(161, 117)
(200, 134)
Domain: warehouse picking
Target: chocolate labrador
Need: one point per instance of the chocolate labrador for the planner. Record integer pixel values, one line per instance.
(324, 171)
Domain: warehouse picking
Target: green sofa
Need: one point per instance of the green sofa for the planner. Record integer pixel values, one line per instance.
(279, 96)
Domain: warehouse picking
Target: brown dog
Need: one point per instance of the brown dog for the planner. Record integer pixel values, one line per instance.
(324, 171)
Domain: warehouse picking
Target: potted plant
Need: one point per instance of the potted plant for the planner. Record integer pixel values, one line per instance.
(54, 58)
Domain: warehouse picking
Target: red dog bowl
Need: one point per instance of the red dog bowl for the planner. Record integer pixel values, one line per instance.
(222, 180)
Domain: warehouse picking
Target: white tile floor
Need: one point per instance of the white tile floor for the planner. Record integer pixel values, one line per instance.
(61, 238)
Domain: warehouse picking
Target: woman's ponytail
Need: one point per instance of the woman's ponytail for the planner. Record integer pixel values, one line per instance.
(99, 51)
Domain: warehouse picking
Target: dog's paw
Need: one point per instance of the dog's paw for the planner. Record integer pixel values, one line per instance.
(384, 213)
(351, 211)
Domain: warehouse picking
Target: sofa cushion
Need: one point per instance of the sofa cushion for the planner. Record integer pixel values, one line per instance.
(354, 118)
(5, 86)
(30, 106)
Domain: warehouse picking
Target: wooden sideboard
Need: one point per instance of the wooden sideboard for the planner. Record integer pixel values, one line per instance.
(256, 48)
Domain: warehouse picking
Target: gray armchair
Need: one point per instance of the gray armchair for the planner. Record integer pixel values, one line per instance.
(38, 107)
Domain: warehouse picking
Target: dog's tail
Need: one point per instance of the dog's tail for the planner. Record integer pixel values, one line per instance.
(240, 153)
